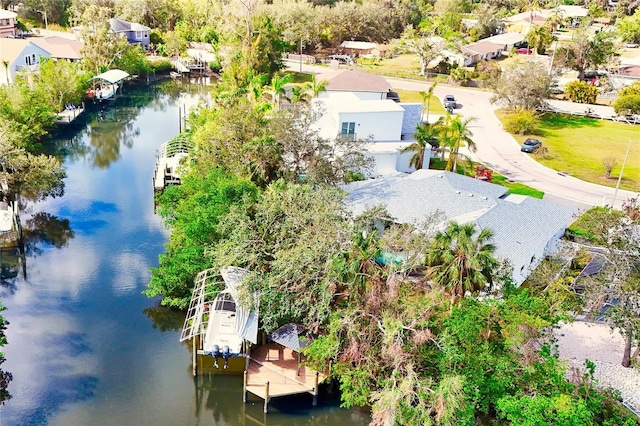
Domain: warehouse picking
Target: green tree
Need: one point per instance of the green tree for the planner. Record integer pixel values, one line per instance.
(540, 38)
(289, 238)
(455, 134)
(61, 82)
(277, 88)
(522, 86)
(581, 91)
(192, 211)
(423, 42)
(425, 134)
(628, 101)
(629, 27)
(462, 262)
(587, 51)
(316, 86)
(5, 377)
(426, 98)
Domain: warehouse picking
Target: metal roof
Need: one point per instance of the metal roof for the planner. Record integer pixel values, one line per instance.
(112, 76)
(292, 336)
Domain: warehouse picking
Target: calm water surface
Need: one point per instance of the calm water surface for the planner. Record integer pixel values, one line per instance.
(85, 347)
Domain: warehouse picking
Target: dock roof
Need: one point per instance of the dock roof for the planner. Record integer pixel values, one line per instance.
(112, 76)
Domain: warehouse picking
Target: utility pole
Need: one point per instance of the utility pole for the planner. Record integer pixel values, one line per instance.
(300, 55)
(46, 24)
(615, 194)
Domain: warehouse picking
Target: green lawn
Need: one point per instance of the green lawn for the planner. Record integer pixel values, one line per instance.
(577, 145)
(435, 106)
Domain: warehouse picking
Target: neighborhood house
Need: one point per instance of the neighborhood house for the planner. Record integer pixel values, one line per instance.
(8, 23)
(18, 56)
(525, 229)
(355, 106)
(134, 33)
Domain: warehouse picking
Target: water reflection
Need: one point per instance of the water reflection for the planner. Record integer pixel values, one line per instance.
(164, 318)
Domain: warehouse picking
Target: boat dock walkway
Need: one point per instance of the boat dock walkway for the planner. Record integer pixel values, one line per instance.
(68, 115)
(273, 371)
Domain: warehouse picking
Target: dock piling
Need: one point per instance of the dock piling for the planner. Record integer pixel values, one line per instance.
(244, 387)
(194, 357)
(314, 402)
(266, 398)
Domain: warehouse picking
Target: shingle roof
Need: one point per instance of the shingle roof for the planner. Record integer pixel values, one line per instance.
(355, 81)
(59, 47)
(364, 45)
(483, 47)
(119, 26)
(10, 48)
(522, 225)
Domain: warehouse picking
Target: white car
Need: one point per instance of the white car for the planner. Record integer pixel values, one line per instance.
(631, 45)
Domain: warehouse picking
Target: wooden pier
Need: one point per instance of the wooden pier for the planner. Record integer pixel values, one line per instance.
(273, 371)
(68, 115)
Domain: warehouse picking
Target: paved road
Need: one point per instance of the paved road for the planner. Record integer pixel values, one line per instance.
(500, 151)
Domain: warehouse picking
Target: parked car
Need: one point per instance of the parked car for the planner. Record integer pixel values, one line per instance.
(631, 45)
(530, 145)
(524, 51)
(450, 102)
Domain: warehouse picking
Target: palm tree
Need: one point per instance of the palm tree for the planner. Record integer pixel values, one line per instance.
(298, 94)
(456, 135)
(277, 88)
(426, 98)
(461, 261)
(316, 86)
(555, 20)
(425, 134)
(6, 70)
(539, 37)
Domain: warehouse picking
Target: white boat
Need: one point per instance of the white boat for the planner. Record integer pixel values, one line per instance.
(106, 85)
(106, 91)
(224, 324)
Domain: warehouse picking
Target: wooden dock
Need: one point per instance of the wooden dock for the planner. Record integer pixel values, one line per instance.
(273, 371)
(68, 115)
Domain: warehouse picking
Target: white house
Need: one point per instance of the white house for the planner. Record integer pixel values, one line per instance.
(525, 229)
(355, 106)
(18, 55)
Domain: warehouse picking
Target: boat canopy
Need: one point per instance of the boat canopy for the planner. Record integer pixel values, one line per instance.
(112, 76)
(247, 310)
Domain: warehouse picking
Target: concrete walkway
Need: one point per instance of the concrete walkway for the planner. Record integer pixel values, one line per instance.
(500, 151)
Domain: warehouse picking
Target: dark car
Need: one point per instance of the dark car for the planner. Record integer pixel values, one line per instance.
(530, 145)
(450, 102)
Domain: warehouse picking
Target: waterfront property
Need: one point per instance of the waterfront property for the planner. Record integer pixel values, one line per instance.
(19, 56)
(134, 33)
(106, 85)
(525, 229)
(168, 161)
(221, 325)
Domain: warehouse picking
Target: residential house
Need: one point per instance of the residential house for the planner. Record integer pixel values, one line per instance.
(355, 106)
(507, 40)
(59, 47)
(19, 55)
(135, 33)
(482, 50)
(363, 48)
(8, 23)
(525, 229)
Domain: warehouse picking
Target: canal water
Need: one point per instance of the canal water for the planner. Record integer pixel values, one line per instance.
(85, 346)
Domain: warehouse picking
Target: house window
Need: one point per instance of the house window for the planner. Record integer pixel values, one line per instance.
(139, 34)
(348, 129)
(27, 60)
(5, 22)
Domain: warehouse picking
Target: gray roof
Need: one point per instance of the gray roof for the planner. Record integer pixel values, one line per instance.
(413, 198)
(522, 225)
(120, 26)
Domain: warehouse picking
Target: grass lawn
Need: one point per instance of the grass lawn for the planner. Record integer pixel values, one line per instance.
(496, 178)
(577, 145)
(435, 106)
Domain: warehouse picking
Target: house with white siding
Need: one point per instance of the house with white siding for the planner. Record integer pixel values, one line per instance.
(356, 106)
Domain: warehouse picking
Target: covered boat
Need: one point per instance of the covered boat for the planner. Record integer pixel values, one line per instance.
(224, 324)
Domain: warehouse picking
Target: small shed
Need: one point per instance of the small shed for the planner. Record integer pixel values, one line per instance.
(363, 48)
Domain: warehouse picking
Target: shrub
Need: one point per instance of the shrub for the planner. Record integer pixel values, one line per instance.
(582, 92)
(629, 104)
(160, 66)
(608, 163)
(522, 122)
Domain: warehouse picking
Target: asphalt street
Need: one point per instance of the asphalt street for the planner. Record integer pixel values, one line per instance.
(499, 150)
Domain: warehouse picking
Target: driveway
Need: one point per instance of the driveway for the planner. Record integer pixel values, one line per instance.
(500, 151)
